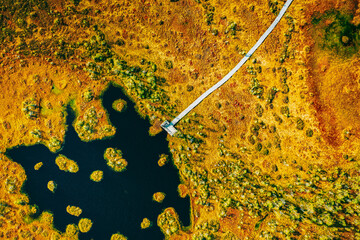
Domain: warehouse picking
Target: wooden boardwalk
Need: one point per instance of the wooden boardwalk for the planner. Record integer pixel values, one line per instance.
(169, 126)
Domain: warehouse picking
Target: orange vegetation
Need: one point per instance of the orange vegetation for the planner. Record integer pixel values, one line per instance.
(272, 153)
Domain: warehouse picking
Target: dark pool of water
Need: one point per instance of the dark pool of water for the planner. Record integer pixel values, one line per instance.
(121, 200)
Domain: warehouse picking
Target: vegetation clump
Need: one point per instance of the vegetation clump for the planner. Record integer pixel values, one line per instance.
(119, 105)
(274, 6)
(271, 94)
(338, 33)
(66, 164)
(300, 124)
(232, 28)
(259, 110)
(88, 127)
(146, 223)
(285, 111)
(4, 209)
(168, 222)
(163, 160)
(85, 225)
(36, 133)
(73, 210)
(159, 197)
(88, 95)
(256, 89)
(97, 176)
(71, 230)
(38, 165)
(115, 160)
(309, 132)
(169, 64)
(51, 185)
(10, 185)
(54, 144)
(118, 236)
(31, 108)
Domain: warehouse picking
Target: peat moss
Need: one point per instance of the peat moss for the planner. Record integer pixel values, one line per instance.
(66, 164)
(119, 105)
(115, 160)
(96, 176)
(145, 223)
(73, 210)
(159, 197)
(38, 165)
(85, 225)
(337, 32)
(163, 160)
(228, 188)
(71, 230)
(118, 236)
(51, 186)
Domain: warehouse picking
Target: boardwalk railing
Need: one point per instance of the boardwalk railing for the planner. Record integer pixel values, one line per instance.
(169, 126)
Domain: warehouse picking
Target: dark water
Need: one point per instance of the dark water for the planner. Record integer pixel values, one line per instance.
(121, 200)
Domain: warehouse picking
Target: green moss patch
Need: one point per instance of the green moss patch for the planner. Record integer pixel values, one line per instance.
(335, 32)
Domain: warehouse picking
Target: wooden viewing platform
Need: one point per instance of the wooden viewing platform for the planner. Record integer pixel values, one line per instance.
(169, 127)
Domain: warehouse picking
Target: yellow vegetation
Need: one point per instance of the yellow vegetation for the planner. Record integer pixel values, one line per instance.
(119, 105)
(118, 236)
(183, 190)
(145, 223)
(155, 128)
(168, 221)
(278, 141)
(73, 210)
(115, 160)
(85, 225)
(51, 185)
(71, 230)
(66, 164)
(159, 197)
(163, 160)
(38, 165)
(96, 176)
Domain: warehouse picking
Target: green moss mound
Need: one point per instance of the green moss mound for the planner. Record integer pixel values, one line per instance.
(338, 33)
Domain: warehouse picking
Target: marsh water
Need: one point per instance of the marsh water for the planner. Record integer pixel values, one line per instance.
(121, 200)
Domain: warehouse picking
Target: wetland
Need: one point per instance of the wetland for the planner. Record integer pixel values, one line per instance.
(121, 200)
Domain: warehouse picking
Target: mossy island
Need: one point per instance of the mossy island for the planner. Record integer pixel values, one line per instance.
(155, 129)
(66, 164)
(72, 230)
(119, 105)
(168, 221)
(115, 160)
(118, 236)
(163, 160)
(85, 225)
(54, 144)
(52, 186)
(92, 124)
(146, 223)
(159, 197)
(73, 210)
(97, 176)
(38, 165)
